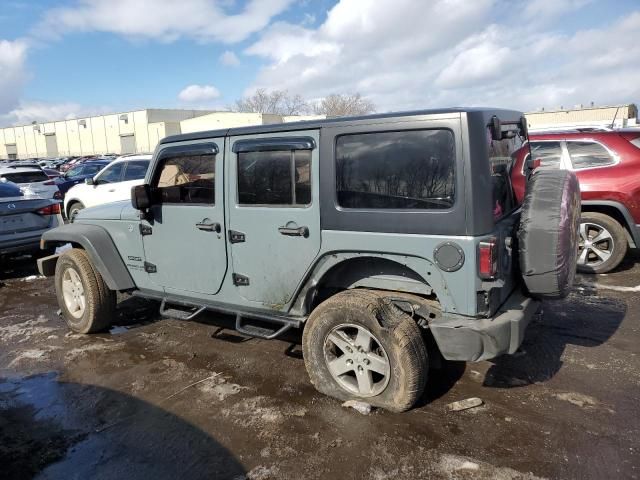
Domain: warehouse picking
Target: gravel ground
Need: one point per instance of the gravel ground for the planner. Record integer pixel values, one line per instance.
(161, 398)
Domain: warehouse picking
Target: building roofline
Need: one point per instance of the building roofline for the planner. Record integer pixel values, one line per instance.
(565, 110)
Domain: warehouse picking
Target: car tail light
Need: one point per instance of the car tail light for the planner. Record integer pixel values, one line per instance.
(50, 210)
(488, 258)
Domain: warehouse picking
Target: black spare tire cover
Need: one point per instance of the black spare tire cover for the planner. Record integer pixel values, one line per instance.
(548, 234)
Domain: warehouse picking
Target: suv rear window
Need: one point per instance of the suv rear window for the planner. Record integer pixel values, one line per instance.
(588, 154)
(26, 177)
(501, 159)
(411, 169)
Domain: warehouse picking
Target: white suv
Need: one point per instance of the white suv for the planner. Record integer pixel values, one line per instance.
(111, 184)
(31, 180)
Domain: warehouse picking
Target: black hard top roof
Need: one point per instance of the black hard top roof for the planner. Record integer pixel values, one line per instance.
(312, 124)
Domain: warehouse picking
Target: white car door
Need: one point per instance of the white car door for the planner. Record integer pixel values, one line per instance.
(106, 184)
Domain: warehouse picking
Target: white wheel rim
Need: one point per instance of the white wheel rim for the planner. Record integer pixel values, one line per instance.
(73, 293)
(596, 245)
(357, 360)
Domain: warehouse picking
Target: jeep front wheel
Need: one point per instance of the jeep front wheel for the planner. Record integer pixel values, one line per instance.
(358, 346)
(86, 302)
(602, 243)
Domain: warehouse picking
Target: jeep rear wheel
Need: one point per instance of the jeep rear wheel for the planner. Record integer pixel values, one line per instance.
(602, 243)
(86, 302)
(358, 346)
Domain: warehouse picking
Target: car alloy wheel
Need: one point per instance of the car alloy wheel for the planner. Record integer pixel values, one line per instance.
(596, 245)
(357, 360)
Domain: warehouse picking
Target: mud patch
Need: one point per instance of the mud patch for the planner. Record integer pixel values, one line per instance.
(22, 332)
(453, 466)
(579, 399)
(219, 388)
(260, 411)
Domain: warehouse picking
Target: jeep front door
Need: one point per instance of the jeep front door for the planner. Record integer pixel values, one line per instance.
(183, 237)
(274, 214)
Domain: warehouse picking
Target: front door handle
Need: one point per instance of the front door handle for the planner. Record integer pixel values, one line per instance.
(209, 227)
(294, 232)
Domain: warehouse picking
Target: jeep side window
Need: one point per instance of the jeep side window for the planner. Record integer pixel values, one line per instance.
(549, 153)
(588, 154)
(274, 178)
(396, 170)
(186, 179)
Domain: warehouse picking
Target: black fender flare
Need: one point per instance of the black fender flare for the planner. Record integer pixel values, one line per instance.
(99, 245)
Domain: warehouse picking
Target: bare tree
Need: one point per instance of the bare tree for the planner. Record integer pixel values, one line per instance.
(336, 105)
(278, 102)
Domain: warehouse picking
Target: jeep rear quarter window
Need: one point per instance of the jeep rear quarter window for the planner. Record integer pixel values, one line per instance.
(411, 169)
(501, 159)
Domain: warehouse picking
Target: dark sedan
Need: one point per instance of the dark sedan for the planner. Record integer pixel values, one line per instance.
(78, 173)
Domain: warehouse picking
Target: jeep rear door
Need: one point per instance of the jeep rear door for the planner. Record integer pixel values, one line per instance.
(273, 212)
(183, 237)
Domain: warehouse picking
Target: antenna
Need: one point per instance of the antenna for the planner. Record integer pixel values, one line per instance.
(613, 122)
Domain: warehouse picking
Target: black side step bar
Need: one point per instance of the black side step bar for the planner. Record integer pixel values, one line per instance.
(178, 313)
(264, 332)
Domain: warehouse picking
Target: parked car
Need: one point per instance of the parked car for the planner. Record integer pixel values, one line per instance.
(113, 183)
(607, 164)
(381, 236)
(24, 219)
(31, 179)
(75, 161)
(78, 174)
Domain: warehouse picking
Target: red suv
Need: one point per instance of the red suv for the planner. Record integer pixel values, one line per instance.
(607, 164)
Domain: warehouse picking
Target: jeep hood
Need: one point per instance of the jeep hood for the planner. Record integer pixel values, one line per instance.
(108, 211)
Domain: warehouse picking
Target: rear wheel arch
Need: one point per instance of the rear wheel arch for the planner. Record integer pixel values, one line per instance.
(337, 272)
(619, 213)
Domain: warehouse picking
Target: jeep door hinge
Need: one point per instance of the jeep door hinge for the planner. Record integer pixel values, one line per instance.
(150, 267)
(240, 280)
(145, 230)
(236, 237)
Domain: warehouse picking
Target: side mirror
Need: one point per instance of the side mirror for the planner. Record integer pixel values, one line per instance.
(89, 181)
(141, 197)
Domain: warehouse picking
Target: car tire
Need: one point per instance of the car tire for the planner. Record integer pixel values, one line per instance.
(605, 254)
(73, 209)
(87, 304)
(548, 233)
(377, 352)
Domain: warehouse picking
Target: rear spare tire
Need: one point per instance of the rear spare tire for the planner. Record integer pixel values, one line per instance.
(548, 234)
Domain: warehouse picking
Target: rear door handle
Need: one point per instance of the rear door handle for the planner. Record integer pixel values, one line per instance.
(294, 232)
(209, 227)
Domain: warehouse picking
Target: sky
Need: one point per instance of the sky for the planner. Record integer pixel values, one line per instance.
(72, 58)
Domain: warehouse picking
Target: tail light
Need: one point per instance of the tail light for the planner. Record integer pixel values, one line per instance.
(488, 259)
(50, 210)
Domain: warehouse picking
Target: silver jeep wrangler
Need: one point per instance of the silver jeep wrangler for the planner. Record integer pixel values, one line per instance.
(389, 239)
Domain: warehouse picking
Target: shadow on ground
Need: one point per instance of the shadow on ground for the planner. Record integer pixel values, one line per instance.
(582, 319)
(58, 429)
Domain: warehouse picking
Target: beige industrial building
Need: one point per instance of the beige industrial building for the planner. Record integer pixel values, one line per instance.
(616, 116)
(119, 133)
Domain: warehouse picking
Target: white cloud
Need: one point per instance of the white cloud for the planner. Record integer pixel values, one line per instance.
(30, 111)
(166, 20)
(404, 54)
(546, 9)
(230, 59)
(13, 55)
(198, 93)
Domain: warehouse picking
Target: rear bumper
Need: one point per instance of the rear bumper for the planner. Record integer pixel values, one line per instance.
(27, 244)
(475, 339)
